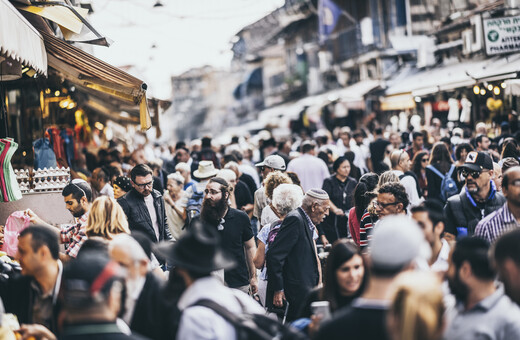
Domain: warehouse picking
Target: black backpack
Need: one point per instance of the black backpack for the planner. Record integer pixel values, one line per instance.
(251, 326)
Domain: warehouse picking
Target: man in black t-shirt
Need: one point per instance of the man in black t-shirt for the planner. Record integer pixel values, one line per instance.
(236, 234)
(396, 244)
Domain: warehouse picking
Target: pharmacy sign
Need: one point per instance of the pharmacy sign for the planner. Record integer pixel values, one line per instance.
(502, 35)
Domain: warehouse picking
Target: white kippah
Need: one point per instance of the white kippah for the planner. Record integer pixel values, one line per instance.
(318, 193)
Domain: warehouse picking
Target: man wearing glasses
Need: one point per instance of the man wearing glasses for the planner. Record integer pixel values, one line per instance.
(144, 206)
(78, 198)
(392, 199)
(477, 199)
(507, 217)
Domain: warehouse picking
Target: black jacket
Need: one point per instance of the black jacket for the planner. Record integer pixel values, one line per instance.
(138, 217)
(460, 212)
(18, 297)
(154, 316)
(291, 262)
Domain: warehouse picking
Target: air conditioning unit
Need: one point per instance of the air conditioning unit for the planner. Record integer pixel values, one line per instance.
(472, 38)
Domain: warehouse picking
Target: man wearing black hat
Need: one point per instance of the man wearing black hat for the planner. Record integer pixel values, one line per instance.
(195, 256)
(477, 199)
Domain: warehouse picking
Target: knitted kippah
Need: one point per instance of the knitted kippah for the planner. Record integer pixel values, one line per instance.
(318, 193)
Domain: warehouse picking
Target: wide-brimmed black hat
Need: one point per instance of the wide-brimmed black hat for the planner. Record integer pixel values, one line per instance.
(198, 250)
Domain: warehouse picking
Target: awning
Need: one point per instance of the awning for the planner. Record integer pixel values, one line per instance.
(85, 70)
(512, 87)
(458, 74)
(19, 40)
(397, 102)
(356, 92)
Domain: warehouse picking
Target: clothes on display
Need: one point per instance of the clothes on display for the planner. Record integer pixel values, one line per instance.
(9, 188)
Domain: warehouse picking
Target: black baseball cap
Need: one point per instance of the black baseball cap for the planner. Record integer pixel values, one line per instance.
(477, 161)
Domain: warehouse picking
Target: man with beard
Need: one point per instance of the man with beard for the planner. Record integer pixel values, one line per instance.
(235, 231)
(507, 217)
(78, 197)
(484, 311)
(478, 199)
(507, 260)
(144, 206)
(145, 309)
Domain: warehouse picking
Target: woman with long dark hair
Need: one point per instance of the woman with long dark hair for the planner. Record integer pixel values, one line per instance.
(440, 165)
(340, 188)
(363, 194)
(419, 164)
(344, 278)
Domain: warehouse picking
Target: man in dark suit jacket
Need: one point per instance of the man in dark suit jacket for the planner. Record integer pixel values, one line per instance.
(293, 267)
(144, 206)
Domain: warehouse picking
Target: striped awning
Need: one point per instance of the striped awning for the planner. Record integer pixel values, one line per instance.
(19, 40)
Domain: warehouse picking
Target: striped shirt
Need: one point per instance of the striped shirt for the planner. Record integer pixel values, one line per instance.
(496, 224)
(365, 229)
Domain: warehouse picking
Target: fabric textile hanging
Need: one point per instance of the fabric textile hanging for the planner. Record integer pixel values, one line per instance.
(9, 188)
(44, 156)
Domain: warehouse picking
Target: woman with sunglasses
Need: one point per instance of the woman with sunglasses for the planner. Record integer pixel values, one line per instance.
(419, 163)
(440, 164)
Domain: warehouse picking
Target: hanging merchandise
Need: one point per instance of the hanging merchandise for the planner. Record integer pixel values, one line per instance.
(53, 133)
(9, 188)
(465, 114)
(415, 121)
(403, 121)
(67, 135)
(394, 120)
(44, 156)
(16, 222)
(453, 113)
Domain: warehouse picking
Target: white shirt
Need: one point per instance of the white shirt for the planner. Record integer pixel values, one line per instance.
(441, 264)
(198, 322)
(311, 171)
(410, 186)
(107, 190)
(148, 200)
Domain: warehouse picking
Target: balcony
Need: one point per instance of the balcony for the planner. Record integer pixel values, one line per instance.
(348, 44)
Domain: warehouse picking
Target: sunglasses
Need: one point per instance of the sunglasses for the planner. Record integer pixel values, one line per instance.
(424, 160)
(475, 174)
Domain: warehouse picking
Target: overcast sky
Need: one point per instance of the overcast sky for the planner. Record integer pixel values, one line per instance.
(168, 40)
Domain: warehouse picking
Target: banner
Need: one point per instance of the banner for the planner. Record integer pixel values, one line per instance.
(328, 14)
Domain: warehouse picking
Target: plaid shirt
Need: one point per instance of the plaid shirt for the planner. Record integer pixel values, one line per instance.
(496, 224)
(73, 236)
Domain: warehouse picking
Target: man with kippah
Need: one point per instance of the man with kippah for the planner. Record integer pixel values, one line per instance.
(293, 267)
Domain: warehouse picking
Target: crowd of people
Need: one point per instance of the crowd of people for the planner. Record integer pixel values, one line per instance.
(349, 234)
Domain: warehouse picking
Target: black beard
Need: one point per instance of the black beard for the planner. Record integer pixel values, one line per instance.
(79, 213)
(458, 288)
(212, 214)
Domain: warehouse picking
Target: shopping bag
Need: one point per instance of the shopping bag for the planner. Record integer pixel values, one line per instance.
(16, 222)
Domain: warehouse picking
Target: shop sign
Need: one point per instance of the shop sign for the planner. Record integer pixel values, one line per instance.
(502, 35)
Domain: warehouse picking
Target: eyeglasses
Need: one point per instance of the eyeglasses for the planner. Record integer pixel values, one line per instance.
(384, 205)
(475, 174)
(144, 185)
(424, 160)
(212, 192)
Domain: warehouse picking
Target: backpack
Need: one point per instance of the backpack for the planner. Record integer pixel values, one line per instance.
(448, 185)
(253, 326)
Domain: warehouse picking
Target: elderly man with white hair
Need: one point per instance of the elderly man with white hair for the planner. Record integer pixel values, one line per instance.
(176, 201)
(146, 312)
(286, 198)
(293, 267)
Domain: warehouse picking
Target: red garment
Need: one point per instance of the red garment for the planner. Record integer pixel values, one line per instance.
(353, 225)
(57, 142)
